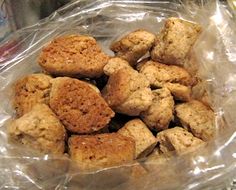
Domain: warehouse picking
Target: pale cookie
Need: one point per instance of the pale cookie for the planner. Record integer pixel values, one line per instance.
(158, 74)
(144, 139)
(197, 118)
(160, 113)
(128, 92)
(177, 140)
(174, 42)
(180, 92)
(114, 64)
(40, 130)
(133, 46)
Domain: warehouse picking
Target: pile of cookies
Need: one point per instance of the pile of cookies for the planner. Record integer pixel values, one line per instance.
(72, 106)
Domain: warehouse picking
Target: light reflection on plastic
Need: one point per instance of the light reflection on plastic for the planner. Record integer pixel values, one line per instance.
(17, 166)
(210, 55)
(217, 153)
(194, 162)
(201, 159)
(3, 149)
(134, 17)
(159, 19)
(20, 173)
(45, 157)
(230, 140)
(34, 158)
(230, 82)
(197, 170)
(217, 18)
(213, 168)
(234, 155)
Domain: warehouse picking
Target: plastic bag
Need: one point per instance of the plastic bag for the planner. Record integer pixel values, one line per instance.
(212, 166)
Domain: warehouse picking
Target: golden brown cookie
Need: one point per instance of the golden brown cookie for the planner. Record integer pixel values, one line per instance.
(133, 46)
(128, 92)
(73, 55)
(39, 129)
(197, 118)
(160, 113)
(101, 151)
(31, 90)
(145, 142)
(175, 41)
(177, 139)
(79, 107)
(158, 74)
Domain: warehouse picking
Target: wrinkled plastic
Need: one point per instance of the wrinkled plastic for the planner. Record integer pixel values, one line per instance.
(211, 167)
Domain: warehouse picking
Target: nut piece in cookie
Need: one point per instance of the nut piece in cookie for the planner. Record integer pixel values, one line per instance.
(158, 74)
(160, 113)
(73, 55)
(197, 118)
(128, 92)
(134, 45)
(177, 139)
(145, 142)
(101, 151)
(79, 107)
(180, 92)
(175, 41)
(114, 64)
(31, 90)
(39, 129)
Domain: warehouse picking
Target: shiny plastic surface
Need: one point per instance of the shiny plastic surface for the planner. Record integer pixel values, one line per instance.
(212, 166)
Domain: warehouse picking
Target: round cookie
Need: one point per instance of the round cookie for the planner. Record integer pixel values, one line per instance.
(79, 107)
(31, 90)
(73, 55)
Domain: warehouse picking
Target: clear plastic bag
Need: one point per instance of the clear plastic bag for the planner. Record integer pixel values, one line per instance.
(211, 167)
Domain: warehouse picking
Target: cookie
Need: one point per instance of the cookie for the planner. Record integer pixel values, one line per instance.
(160, 112)
(31, 90)
(177, 140)
(180, 92)
(174, 42)
(114, 64)
(133, 46)
(145, 142)
(158, 74)
(101, 151)
(127, 92)
(197, 118)
(72, 55)
(40, 130)
(79, 107)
